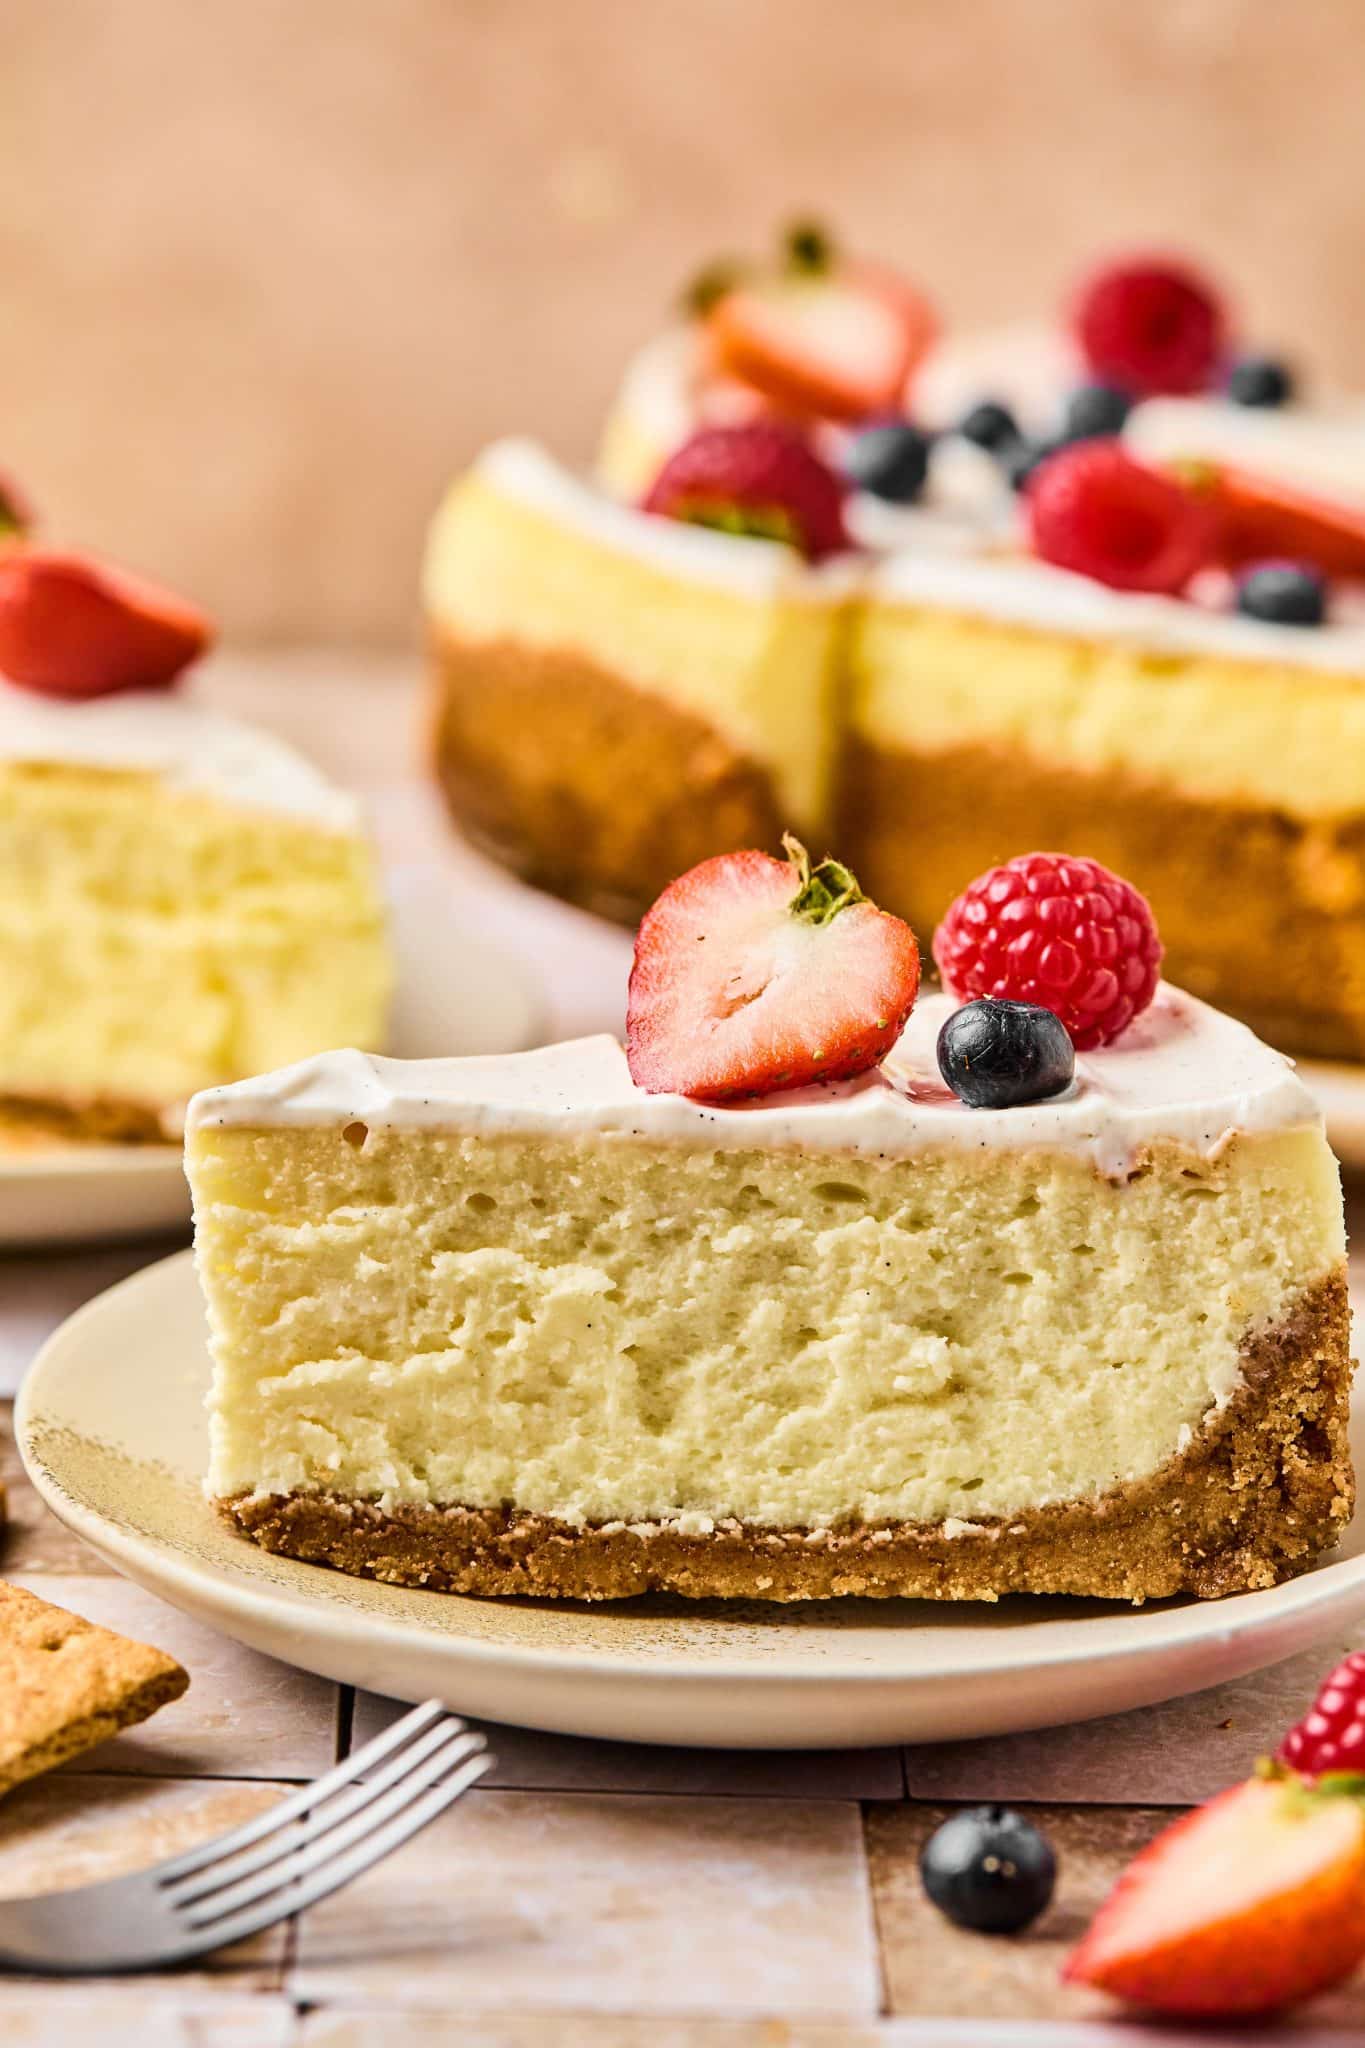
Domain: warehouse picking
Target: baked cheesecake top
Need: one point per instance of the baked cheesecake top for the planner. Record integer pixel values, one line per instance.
(524, 472)
(183, 743)
(1183, 1072)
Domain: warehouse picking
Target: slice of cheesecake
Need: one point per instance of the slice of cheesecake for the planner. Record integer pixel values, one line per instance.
(515, 1326)
(618, 695)
(183, 900)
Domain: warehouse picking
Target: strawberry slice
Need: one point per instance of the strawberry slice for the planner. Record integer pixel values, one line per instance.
(839, 344)
(753, 974)
(1244, 1906)
(74, 627)
(1257, 520)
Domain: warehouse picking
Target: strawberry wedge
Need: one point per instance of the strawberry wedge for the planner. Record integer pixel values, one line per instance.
(1243, 1907)
(838, 345)
(74, 627)
(1256, 519)
(753, 974)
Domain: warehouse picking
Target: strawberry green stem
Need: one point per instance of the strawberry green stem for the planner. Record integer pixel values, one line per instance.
(822, 892)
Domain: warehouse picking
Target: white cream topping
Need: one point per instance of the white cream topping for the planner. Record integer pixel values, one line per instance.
(761, 569)
(1182, 1072)
(166, 733)
(1024, 591)
(1027, 365)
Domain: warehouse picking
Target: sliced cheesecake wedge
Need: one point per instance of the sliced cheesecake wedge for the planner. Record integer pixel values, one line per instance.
(183, 900)
(514, 1326)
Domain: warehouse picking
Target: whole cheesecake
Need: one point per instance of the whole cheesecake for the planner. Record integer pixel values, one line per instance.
(514, 1325)
(183, 900)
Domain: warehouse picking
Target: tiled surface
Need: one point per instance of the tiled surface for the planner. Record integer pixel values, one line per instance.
(520, 1901)
(530, 1761)
(61, 1831)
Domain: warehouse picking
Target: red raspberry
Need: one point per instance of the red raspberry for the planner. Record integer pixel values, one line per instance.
(1331, 1735)
(759, 479)
(1093, 509)
(1151, 326)
(1061, 932)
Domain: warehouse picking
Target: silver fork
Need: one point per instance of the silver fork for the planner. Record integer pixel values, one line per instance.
(308, 1845)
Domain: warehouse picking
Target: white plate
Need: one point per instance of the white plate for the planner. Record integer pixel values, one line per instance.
(111, 1425)
(1340, 1090)
(455, 994)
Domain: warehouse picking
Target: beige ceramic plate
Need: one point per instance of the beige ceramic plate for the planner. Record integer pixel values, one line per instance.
(111, 1425)
(455, 995)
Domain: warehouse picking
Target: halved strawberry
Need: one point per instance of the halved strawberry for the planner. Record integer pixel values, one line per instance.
(74, 627)
(838, 344)
(753, 974)
(1242, 1907)
(759, 478)
(1256, 519)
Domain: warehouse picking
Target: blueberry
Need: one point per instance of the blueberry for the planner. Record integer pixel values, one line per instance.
(989, 1868)
(1260, 380)
(1284, 593)
(1020, 461)
(990, 425)
(994, 1054)
(890, 459)
(1093, 410)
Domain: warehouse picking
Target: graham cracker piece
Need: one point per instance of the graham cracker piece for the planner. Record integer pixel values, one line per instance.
(67, 1684)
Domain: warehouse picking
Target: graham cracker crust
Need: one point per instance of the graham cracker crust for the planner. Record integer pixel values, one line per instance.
(1262, 1491)
(1261, 914)
(582, 783)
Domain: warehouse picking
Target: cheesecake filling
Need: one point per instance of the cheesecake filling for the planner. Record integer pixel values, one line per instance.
(1045, 665)
(514, 1287)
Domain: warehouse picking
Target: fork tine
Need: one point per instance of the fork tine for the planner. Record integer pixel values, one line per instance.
(299, 1802)
(414, 1767)
(339, 1871)
(307, 1854)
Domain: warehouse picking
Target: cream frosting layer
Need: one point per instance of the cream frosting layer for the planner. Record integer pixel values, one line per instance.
(1020, 590)
(1183, 1072)
(184, 744)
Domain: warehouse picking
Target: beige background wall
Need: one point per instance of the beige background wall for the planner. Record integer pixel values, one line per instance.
(270, 269)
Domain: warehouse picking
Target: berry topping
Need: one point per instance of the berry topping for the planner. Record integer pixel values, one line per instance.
(825, 337)
(1066, 933)
(1255, 519)
(1260, 380)
(996, 1054)
(1285, 593)
(1093, 411)
(1242, 1907)
(753, 974)
(1331, 1735)
(890, 460)
(759, 479)
(1095, 510)
(1150, 326)
(73, 627)
(990, 425)
(989, 1868)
